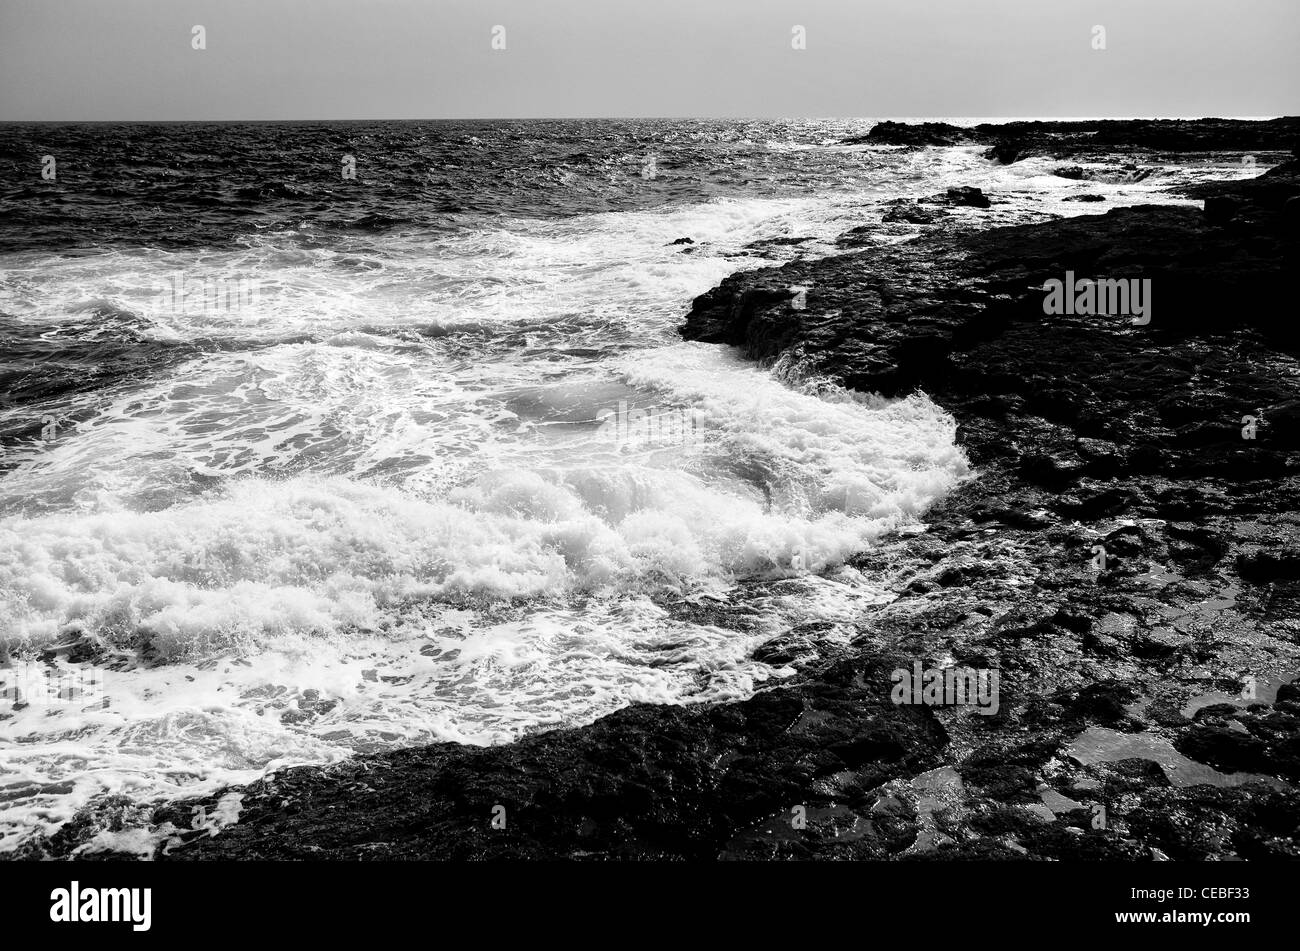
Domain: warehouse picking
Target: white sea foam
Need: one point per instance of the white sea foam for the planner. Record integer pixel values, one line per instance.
(774, 471)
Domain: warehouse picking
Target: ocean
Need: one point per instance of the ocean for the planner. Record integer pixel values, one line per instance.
(324, 438)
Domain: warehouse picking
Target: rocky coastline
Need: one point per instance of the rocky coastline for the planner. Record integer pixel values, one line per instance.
(1128, 560)
(1012, 141)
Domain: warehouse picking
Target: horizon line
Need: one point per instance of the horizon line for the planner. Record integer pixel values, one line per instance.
(682, 118)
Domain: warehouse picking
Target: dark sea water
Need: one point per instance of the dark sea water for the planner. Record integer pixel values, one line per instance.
(298, 464)
(200, 185)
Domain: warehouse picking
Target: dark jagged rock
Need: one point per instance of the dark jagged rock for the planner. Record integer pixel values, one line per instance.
(1121, 173)
(893, 328)
(909, 212)
(765, 246)
(924, 133)
(965, 196)
(1013, 141)
(1006, 151)
(646, 782)
(1262, 566)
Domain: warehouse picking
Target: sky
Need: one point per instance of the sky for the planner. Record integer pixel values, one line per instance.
(321, 59)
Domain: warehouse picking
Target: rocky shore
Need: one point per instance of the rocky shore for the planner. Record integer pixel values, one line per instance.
(1012, 141)
(1128, 561)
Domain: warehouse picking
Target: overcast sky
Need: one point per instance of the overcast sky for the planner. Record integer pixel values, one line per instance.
(313, 59)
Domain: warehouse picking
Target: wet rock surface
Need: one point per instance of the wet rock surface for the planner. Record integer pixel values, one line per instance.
(1128, 552)
(1127, 561)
